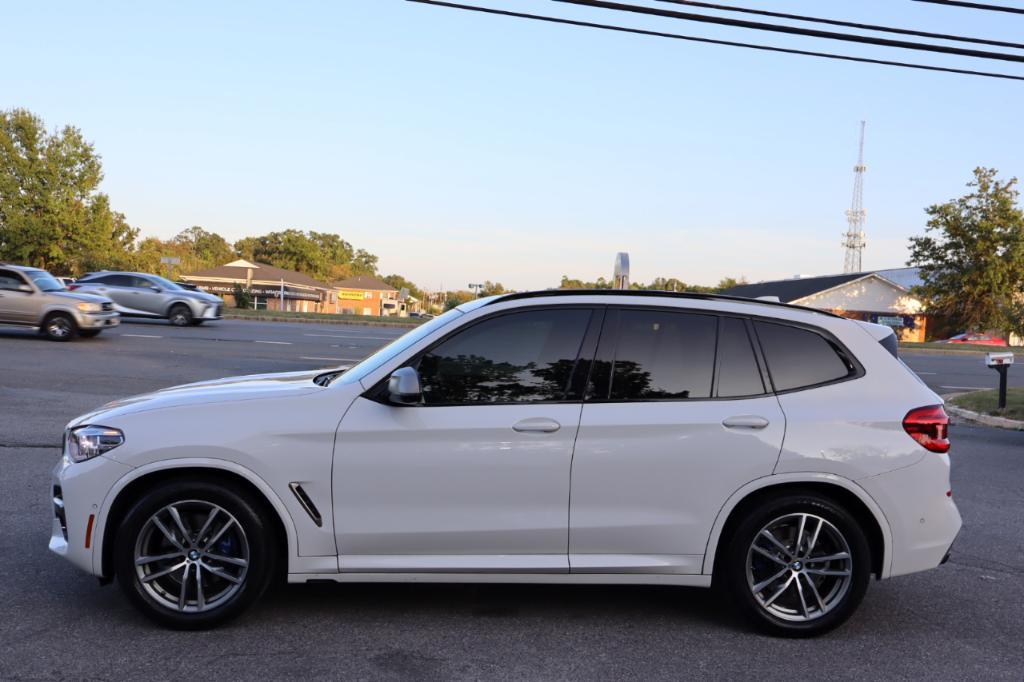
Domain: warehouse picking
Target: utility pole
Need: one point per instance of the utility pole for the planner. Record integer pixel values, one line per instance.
(853, 240)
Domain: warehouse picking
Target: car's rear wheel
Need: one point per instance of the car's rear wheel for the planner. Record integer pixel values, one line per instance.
(180, 315)
(798, 565)
(194, 554)
(60, 327)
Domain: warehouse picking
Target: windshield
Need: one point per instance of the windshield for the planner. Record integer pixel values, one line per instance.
(45, 281)
(403, 342)
(164, 283)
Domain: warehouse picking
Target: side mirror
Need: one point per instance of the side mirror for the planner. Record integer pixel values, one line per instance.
(404, 386)
(26, 288)
(156, 289)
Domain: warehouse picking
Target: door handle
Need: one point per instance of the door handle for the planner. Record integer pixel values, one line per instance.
(536, 425)
(745, 421)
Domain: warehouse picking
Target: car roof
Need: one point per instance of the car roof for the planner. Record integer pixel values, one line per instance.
(21, 268)
(647, 293)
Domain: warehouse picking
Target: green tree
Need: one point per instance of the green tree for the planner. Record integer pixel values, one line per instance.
(399, 282)
(204, 249)
(52, 214)
(321, 255)
(972, 256)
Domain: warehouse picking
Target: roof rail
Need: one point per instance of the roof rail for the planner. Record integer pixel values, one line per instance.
(653, 293)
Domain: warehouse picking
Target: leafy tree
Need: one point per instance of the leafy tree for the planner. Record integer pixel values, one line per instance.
(492, 288)
(399, 282)
(243, 297)
(321, 255)
(457, 298)
(52, 214)
(207, 249)
(972, 256)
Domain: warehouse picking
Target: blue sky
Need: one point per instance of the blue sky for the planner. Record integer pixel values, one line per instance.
(461, 147)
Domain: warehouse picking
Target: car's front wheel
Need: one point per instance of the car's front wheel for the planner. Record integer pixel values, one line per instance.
(798, 565)
(192, 554)
(60, 327)
(180, 315)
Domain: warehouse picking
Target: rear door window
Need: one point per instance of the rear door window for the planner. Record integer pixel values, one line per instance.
(660, 355)
(798, 357)
(738, 372)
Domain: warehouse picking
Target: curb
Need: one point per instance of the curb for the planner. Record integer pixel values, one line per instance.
(940, 351)
(983, 419)
(307, 320)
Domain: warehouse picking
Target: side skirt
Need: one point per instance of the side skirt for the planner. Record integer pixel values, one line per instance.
(536, 578)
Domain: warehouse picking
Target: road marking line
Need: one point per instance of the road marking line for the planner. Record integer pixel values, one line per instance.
(354, 336)
(968, 388)
(307, 357)
(276, 343)
(916, 372)
(143, 336)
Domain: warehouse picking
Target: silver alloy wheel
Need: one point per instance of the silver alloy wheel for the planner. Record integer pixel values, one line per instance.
(180, 316)
(58, 327)
(191, 556)
(799, 567)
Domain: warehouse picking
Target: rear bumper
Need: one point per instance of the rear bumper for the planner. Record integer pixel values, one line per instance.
(923, 519)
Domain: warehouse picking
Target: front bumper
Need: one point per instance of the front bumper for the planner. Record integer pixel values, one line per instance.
(210, 311)
(98, 320)
(78, 490)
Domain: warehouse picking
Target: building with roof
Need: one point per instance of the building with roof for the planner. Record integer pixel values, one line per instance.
(366, 295)
(882, 296)
(271, 287)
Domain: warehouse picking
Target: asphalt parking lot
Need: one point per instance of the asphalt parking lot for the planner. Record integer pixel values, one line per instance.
(960, 621)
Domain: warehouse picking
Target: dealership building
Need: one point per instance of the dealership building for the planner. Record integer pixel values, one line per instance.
(882, 296)
(274, 288)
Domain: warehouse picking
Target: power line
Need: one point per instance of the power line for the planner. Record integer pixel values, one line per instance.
(975, 5)
(712, 41)
(846, 24)
(794, 30)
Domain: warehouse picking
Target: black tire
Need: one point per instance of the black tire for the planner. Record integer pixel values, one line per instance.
(180, 315)
(744, 568)
(196, 323)
(192, 498)
(59, 327)
(89, 333)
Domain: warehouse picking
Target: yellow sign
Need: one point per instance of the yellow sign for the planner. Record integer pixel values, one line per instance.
(351, 295)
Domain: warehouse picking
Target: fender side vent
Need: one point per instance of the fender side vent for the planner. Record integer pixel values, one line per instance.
(307, 504)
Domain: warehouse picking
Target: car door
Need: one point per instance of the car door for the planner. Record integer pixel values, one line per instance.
(678, 416)
(118, 288)
(17, 306)
(475, 477)
(148, 296)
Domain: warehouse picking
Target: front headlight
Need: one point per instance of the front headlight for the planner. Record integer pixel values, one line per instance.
(86, 442)
(90, 307)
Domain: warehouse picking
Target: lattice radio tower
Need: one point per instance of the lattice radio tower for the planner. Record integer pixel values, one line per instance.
(853, 240)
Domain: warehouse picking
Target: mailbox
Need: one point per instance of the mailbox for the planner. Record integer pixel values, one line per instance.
(998, 359)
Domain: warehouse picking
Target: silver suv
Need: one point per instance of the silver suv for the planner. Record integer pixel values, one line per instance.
(30, 297)
(137, 294)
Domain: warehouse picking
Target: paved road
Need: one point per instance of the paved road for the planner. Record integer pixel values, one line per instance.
(949, 373)
(960, 621)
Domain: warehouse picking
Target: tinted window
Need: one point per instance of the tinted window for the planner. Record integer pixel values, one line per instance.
(520, 357)
(738, 373)
(10, 280)
(799, 357)
(112, 280)
(663, 356)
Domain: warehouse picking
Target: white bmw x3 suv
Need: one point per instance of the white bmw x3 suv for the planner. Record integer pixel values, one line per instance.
(782, 453)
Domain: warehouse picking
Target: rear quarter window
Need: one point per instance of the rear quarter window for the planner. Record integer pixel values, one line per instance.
(799, 358)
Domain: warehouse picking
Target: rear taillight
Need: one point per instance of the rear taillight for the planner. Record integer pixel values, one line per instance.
(72, 287)
(929, 426)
